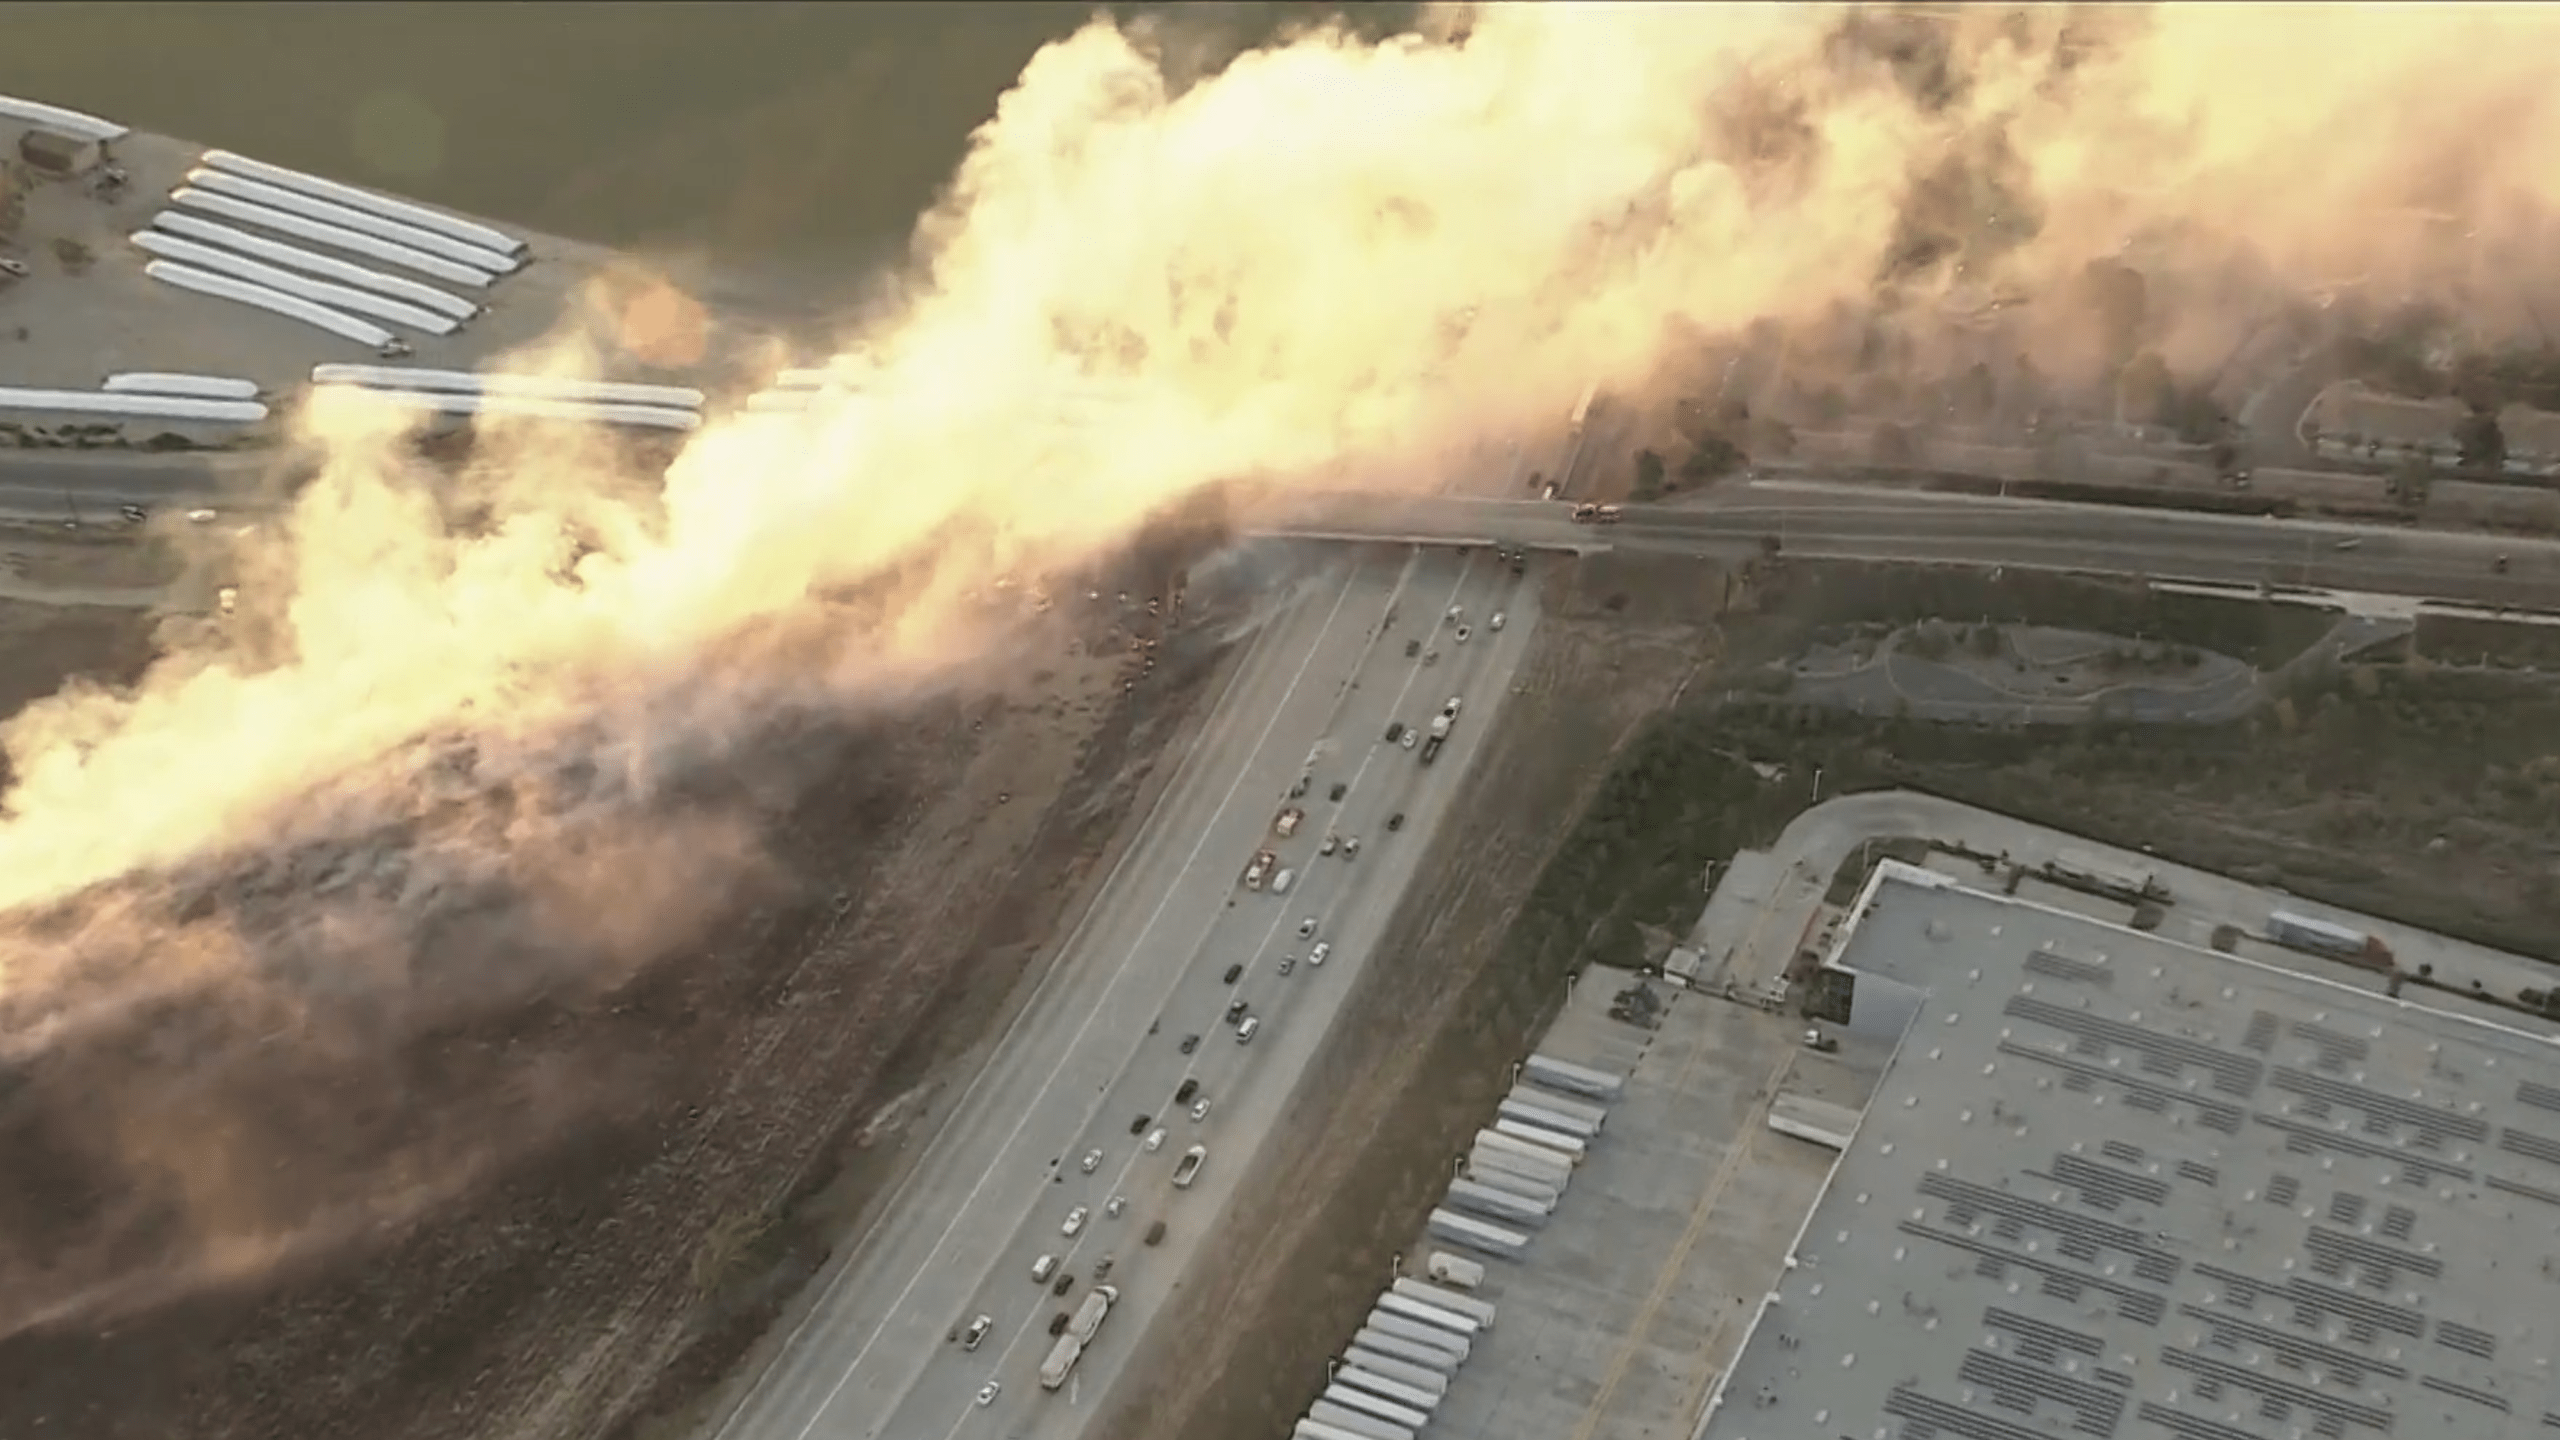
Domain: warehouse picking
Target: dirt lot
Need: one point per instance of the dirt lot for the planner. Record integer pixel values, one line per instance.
(2399, 787)
(666, 1158)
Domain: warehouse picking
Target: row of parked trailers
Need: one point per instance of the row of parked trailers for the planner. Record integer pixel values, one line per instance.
(261, 235)
(1399, 1365)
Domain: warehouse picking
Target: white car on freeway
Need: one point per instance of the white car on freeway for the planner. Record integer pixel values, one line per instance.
(1199, 1111)
(987, 1392)
(1155, 1140)
(1496, 621)
(1306, 927)
(1092, 1161)
(1075, 1222)
(1112, 1210)
(1323, 948)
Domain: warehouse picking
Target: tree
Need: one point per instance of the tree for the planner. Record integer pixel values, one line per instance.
(2483, 441)
(1648, 475)
(1714, 458)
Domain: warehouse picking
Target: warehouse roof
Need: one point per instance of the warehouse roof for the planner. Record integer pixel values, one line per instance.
(2113, 1185)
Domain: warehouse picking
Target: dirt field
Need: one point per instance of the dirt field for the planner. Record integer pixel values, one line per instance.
(665, 1158)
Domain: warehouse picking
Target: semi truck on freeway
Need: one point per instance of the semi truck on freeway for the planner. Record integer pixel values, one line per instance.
(1500, 1206)
(1476, 1234)
(1593, 1115)
(1070, 1347)
(1387, 1322)
(1541, 1135)
(1387, 1389)
(1421, 1377)
(1578, 1079)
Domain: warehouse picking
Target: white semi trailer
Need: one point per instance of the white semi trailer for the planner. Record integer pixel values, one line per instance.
(1458, 1229)
(1531, 1148)
(1355, 1422)
(1528, 1094)
(1411, 1352)
(1546, 1194)
(1352, 1398)
(1474, 1307)
(1386, 1389)
(1411, 1309)
(1540, 1135)
(1574, 1079)
(1546, 1119)
(1456, 1270)
(1070, 1347)
(1405, 1327)
(1421, 1377)
(1499, 1206)
(1314, 1429)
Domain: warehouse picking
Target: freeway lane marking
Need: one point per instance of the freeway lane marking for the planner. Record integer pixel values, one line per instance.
(1261, 948)
(844, 1274)
(1128, 958)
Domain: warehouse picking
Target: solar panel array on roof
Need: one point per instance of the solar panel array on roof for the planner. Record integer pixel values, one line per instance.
(2117, 1186)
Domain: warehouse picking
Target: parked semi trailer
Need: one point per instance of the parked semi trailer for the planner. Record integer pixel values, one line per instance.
(1421, 1377)
(1540, 1135)
(1476, 1234)
(1386, 1388)
(1412, 1352)
(1355, 1422)
(1544, 1118)
(348, 217)
(1529, 1149)
(1474, 1307)
(1353, 1398)
(352, 299)
(1449, 1320)
(470, 232)
(1528, 1094)
(1547, 1195)
(1450, 1343)
(1575, 1079)
(1456, 1270)
(327, 267)
(1314, 1429)
(1500, 1206)
(336, 237)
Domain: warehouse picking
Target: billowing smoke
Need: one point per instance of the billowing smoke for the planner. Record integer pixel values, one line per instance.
(1331, 262)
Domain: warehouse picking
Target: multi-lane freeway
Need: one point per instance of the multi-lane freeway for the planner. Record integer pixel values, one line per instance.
(1096, 1059)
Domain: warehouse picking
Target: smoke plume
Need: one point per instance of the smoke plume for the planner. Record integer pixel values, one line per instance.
(1332, 261)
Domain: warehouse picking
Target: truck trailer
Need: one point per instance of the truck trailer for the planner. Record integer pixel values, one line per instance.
(1355, 1422)
(1543, 1192)
(1500, 1206)
(1070, 1347)
(1386, 1389)
(1351, 1397)
(1552, 1171)
(1312, 1428)
(1466, 1230)
(1449, 1320)
(1455, 1270)
(1541, 1135)
(1405, 1327)
(1574, 1079)
(1548, 1119)
(1421, 1377)
(1475, 1307)
(1528, 1094)
(1411, 1352)
(1533, 1147)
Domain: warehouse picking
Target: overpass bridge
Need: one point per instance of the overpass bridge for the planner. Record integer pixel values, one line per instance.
(1859, 525)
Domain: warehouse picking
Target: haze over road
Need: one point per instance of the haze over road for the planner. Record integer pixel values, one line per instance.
(1100, 1044)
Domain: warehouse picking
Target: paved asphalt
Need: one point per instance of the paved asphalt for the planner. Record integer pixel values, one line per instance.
(92, 486)
(1099, 1045)
(1822, 523)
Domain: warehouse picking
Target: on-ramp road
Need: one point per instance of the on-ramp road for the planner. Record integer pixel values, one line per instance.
(1095, 1058)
